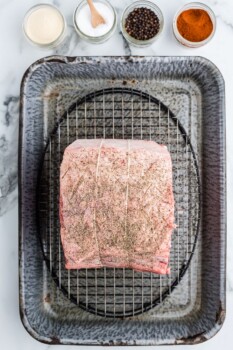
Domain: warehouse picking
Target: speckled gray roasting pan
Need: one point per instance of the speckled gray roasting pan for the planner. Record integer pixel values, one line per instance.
(193, 89)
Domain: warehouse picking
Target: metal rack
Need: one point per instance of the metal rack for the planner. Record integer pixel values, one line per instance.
(125, 114)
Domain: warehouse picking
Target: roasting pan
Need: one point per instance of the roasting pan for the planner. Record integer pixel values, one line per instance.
(177, 101)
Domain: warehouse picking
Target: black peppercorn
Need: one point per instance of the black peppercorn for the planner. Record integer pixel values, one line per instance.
(142, 24)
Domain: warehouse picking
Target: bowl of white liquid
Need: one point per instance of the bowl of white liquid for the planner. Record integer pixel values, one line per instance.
(44, 26)
(83, 26)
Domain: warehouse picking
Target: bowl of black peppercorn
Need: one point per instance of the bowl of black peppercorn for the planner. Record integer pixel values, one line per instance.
(142, 23)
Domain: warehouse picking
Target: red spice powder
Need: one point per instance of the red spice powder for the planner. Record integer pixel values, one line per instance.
(195, 25)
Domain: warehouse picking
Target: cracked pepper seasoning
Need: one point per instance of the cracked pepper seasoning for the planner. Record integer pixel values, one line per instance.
(195, 25)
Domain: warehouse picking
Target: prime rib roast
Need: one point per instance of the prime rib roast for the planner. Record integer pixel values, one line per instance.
(116, 205)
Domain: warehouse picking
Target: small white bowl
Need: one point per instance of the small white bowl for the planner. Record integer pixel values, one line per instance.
(56, 40)
(95, 39)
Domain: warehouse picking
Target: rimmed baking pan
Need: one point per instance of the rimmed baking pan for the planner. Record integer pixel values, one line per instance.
(177, 101)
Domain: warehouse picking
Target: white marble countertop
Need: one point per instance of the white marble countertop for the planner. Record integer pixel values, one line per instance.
(16, 56)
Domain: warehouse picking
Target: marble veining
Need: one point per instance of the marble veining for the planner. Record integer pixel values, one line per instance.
(223, 11)
(128, 51)
(8, 154)
(69, 44)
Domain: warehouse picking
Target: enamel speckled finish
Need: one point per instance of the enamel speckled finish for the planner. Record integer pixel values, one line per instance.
(194, 90)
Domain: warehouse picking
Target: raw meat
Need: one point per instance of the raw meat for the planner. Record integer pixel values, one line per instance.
(116, 205)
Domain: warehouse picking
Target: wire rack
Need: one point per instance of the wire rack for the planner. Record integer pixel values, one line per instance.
(122, 114)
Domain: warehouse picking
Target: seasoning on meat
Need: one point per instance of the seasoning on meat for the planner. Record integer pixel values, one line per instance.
(116, 205)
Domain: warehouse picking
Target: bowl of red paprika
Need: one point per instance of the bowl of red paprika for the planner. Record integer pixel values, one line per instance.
(194, 25)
